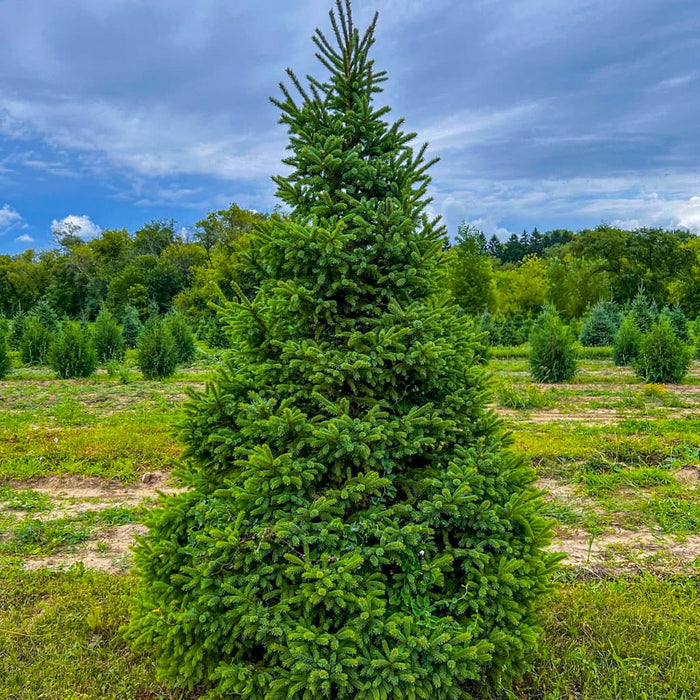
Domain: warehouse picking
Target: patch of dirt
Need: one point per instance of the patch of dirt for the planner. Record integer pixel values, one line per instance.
(597, 417)
(688, 476)
(625, 547)
(110, 553)
(84, 487)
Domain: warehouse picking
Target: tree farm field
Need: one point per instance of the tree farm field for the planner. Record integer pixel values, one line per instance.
(82, 462)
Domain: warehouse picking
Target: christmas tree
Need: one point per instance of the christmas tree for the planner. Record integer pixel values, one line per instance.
(354, 526)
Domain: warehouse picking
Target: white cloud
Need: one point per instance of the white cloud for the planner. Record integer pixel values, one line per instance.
(81, 226)
(24, 238)
(151, 142)
(9, 218)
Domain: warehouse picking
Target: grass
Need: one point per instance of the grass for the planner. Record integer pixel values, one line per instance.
(627, 639)
(614, 447)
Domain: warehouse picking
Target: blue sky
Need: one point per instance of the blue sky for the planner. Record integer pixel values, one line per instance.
(546, 113)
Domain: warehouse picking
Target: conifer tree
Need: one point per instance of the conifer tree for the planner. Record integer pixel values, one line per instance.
(108, 339)
(131, 326)
(355, 526)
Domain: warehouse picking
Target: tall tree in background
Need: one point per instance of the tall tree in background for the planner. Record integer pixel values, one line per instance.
(470, 272)
(354, 526)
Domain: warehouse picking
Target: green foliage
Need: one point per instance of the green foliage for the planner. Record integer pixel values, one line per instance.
(157, 354)
(576, 284)
(72, 352)
(131, 326)
(470, 272)
(36, 341)
(643, 312)
(663, 356)
(599, 326)
(524, 287)
(355, 526)
(4, 356)
(552, 351)
(679, 322)
(183, 337)
(108, 339)
(628, 340)
(211, 330)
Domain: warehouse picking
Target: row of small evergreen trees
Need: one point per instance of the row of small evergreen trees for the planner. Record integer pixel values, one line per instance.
(73, 349)
(656, 348)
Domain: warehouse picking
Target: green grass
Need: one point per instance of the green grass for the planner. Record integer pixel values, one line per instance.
(606, 636)
(620, 639)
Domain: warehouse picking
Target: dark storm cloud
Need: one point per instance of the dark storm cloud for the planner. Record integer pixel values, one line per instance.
(543, 112)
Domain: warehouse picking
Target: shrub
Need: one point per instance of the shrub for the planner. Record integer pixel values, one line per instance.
(514, 330)
(355, 527)
(663, 356)
(131, 326)
(109, 342)
(16, 332)
(4, 355)
(627, 342)
(643, 312)
(599, 326)
(552, 351)
(679, 322)
(36, 341)
(211, 331)
(47, 315)
(72, 352)
(157, 355)
(182, 335)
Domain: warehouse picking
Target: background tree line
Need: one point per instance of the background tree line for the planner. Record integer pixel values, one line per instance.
(156, 269)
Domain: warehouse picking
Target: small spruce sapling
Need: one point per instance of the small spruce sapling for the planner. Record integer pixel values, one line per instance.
(628, 340)
(183, 337)
(663, 356)
(72, 352)
(552, 350)
(36, 342)
(131, 326)
(355, 526)
(109, 343)
(156, 351)
(4, 352)
(599, 326)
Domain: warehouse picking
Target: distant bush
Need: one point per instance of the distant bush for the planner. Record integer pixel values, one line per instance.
(695, 331)
(35, 343)
(212, 332)
(663, 356)
(4, 355)
(131, 326)
(72, 352)
(109, 343)
(643, 312)
(47, 315)
(183, 337)
(16, 331)
(157, 354)
(599, 326)
(627, 342)
(552, 350)
(679, 322)
(514, 329)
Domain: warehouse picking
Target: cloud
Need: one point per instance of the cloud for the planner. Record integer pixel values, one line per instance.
(81, 226)
(24, 238)
(9, 219)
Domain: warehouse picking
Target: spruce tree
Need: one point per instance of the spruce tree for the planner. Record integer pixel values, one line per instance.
(4, 356)
(108, 339)
(355, 526)
(131, 326)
